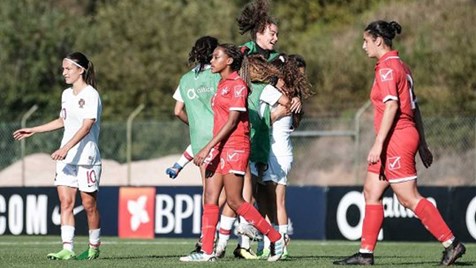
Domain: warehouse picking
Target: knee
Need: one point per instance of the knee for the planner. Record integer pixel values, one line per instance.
(234, 203)
(371, 196)
(89, 206)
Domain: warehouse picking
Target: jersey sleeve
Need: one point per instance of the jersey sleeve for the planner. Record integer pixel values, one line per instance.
(177, 95)
(386, 81)
(91, 104)
(239, 96)
(270, 95)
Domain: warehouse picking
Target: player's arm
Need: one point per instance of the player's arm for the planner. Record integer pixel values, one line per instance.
(61, 153)
(225, 131)
(180, 113)
(425, 154)
(391, 107)
(282, 109)
(27, 132)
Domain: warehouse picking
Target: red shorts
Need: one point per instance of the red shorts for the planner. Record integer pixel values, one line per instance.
(228, 160)
(398, 156)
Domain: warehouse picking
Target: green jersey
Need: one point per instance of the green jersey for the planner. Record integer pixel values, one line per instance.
(260, 125)
(196, 90)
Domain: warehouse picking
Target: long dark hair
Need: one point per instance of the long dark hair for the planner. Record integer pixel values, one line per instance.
(386, 30)
(89, 75)
(201, 52)
(254, 18)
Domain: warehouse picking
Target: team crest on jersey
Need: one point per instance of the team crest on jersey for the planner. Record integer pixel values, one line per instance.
(386, 74)
(224, 91)
(239, 91)
(81, 103)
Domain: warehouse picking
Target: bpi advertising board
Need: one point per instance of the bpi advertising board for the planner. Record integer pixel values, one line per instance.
(154, 212)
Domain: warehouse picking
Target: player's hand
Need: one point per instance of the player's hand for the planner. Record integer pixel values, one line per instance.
(296, 105)
(23, 133)
(201, 156)
(374, 154)
(59, 154)
(425, 155)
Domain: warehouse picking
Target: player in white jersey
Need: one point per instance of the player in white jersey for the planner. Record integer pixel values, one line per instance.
(78, 159)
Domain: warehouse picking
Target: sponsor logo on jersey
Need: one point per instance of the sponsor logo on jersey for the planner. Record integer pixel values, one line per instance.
(136, 211)
(394, 162)
(239, 91)
(386, 74)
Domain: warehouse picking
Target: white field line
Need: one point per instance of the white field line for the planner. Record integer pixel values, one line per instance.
(158, 242)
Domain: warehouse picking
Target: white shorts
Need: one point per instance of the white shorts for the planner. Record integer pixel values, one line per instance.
(278, 169)
(84, 177)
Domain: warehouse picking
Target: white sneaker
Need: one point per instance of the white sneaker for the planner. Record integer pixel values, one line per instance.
(277, 249)
(198, 257)
(250, 231)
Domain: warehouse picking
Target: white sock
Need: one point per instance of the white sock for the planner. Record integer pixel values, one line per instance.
(226, 223)
(448, 242)
(186, 157)
(266, 242)
(366, 251)
(95, 238)
(283, 229)
(67, 236)
(243, 220)
(244, 241)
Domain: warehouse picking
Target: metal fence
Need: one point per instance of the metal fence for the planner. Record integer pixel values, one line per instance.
(327, 151)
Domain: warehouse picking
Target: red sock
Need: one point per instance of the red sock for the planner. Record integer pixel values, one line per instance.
(247, 211)
(209, 225)
(432, 220)
(373, 220)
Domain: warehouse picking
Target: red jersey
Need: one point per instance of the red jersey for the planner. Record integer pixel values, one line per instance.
(232, 95)
(393, 81)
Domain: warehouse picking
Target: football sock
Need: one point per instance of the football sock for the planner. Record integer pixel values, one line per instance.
(186, 157)
(283, 228)
(95, 238)
(431, 218)
(373, 220)
(249, 212)
(209, 223)
(226, 223)
(67, 236)
(244, 241)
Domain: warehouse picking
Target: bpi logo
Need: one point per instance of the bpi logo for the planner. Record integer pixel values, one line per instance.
(136, 212)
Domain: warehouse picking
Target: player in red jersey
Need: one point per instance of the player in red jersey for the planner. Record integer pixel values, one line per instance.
(391, 160)
(226, 155)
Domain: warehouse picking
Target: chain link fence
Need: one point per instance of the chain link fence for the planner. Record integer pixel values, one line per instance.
(327, 151)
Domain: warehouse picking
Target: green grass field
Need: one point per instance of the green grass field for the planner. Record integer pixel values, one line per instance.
(31, 251)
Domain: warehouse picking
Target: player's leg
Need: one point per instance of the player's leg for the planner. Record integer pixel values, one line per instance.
(227, 219)
(213, 187)
(233, 187)
(246, 231)
(282, 215)
(66, 182)
(408, 195)
(88, 180)
(374, 188)
(184, 159)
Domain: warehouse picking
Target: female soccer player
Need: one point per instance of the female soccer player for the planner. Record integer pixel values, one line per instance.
(391, 160)
(78, 159)
(293, 84)
(226, 155)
